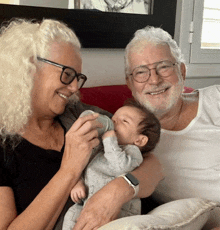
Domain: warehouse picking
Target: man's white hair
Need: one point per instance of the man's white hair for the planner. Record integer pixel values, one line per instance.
(155, 36)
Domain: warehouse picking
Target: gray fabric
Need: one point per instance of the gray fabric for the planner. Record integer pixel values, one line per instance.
(109, 163)
(59, 223)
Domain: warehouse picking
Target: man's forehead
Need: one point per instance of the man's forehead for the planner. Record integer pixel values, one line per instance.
(150, 53)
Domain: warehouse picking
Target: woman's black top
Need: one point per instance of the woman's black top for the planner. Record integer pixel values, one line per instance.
(27, 169)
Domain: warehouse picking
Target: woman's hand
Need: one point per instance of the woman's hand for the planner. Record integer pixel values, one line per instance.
(81, 138)
(105, 205)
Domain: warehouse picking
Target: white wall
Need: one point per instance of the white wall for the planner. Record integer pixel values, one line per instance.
(44, 3)
(201, 82)
(103, 66)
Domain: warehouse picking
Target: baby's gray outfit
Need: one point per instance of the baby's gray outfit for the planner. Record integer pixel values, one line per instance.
(109, 163)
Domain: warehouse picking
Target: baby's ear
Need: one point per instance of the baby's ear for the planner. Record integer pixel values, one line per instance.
(141, 140)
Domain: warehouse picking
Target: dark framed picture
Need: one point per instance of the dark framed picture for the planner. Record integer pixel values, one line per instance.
(117, 6)
(98, 29)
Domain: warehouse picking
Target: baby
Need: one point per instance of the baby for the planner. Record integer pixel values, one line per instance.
(136, 132)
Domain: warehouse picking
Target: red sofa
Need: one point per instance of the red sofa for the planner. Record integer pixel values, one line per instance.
(109, 98)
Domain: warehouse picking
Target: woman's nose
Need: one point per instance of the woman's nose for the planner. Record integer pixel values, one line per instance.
(73, 86)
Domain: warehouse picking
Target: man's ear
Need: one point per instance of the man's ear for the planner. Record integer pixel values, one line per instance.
(141, 140)
(128, 82)
(183, 70)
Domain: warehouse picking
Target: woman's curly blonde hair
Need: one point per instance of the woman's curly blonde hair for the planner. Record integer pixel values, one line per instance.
(21, 41)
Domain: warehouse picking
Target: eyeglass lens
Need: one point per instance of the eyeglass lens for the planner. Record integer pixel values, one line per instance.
(68, 76)
(142, 73)
(81, 81)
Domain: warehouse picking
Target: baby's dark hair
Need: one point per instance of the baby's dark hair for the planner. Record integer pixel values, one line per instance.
(149, 126)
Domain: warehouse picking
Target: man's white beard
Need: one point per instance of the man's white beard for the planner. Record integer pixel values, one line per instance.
(160, 111)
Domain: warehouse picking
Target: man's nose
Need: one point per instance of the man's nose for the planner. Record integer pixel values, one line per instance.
(154, 77)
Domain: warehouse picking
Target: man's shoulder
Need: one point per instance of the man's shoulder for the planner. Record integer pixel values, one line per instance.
(209, 98)
(212, 92)
(213, 89)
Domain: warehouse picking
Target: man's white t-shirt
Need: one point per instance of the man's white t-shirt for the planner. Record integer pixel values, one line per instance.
(191, 157)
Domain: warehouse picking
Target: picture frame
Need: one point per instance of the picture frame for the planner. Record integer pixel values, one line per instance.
(119, 6)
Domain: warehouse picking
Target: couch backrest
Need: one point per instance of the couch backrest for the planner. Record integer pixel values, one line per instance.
(109, 98)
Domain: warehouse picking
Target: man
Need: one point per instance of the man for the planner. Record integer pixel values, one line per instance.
(189, 147)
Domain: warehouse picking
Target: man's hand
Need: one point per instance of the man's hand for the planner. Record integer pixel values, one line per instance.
(105, 205)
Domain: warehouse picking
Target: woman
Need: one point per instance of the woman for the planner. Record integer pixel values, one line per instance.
(40, 161)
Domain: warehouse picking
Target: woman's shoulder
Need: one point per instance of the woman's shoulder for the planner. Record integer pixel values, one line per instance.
(8, 146)
(6, 160)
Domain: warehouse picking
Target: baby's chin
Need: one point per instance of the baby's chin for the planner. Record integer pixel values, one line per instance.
(120, 142)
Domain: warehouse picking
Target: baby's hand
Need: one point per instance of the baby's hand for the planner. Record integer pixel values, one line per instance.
(78, 192)
(110, 133)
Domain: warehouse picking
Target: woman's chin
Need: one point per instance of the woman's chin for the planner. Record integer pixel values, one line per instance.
(59, 111)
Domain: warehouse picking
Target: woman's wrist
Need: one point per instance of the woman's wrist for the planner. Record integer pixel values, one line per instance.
(67, 177)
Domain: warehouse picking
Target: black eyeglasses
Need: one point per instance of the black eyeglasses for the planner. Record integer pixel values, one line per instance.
(142, 73)
(68, 74)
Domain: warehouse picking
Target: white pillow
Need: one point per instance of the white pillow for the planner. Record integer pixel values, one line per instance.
(184, 214)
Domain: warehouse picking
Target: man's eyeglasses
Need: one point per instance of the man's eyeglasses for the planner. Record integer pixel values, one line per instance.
(142, 73)
(68, 74)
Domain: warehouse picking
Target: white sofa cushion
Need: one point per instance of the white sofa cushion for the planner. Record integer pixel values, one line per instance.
(184, 214)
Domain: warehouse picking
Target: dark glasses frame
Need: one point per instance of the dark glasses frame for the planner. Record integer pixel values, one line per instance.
(81, 78)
